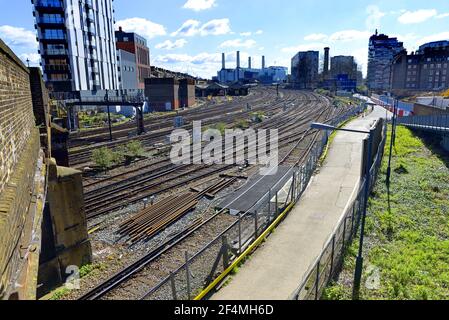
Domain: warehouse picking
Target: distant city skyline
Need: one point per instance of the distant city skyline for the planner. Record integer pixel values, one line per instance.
(189, 35)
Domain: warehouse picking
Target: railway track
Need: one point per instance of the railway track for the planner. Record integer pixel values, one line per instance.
(81, 157)
(156, 181)
(140, 276)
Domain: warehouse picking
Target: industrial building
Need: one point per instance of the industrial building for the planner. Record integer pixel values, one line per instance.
(342, 75)
(169, 94)
(77, 44)
(424, 70)
(305, 70)
(137, 45)
(382, 50)
(249, 74)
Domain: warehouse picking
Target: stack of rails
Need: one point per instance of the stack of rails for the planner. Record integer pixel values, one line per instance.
(152, 220)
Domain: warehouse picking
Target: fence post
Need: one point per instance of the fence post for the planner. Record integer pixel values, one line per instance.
(332, 257)
(189, 293)
(173, 286)
(224, 240)
(256, 227)
(317, 282)
(344, 235)
(240, 232)
(277, 205)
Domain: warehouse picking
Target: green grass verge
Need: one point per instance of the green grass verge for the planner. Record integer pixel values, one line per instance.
(407, 243)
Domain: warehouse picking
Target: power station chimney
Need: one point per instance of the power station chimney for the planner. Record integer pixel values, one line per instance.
(223, 61)
(249, 62)
(238, 59)
(326, 61)
(263, 62)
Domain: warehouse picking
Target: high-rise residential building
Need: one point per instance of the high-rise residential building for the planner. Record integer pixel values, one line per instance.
(137, 45)
(382, 50)
(305, 69)
(425, 70)
(77, 44)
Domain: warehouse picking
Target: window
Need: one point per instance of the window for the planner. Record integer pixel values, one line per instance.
(425, 66)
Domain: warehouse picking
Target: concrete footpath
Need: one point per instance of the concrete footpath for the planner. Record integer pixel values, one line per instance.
(276, 269)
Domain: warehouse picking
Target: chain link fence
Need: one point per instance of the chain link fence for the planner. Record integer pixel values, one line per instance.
(200, 269)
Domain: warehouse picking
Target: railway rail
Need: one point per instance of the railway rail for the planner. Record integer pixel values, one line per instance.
(118, 286)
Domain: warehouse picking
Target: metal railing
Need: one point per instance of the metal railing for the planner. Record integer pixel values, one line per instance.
(435, 123)
(328, 264)
(200, 269)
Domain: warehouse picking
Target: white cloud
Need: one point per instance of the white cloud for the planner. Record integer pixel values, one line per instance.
(199, 5)
(169, 45)
(419, 16)
(216, 27)
(259, 32)
(192, 28)
(349, 35)
(375, 16)
(246, 34)
(304, 47)
(443, 15)
(238, 43)
(434, 37)
(33, 58)
(188, 29)
(344, 35)
(14, 36)
(143, 27)
(316, 37)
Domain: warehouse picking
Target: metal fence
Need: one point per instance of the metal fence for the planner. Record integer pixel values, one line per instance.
(329, 263)
(200, 269)
(435, 123)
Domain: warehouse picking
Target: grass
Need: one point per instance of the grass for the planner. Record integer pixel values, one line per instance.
(407, 232)
(84, 271)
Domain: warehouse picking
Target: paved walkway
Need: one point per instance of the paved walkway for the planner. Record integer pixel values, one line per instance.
(275, 270)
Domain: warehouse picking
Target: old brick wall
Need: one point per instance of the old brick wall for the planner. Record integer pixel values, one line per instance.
(16, 112)
(21, 177)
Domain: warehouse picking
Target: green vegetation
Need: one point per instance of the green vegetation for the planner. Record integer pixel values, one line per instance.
(242, 124)
(86, 270)
(94, 120)
(105, 158)
(407, 232)
(258, 117)
(218, 126)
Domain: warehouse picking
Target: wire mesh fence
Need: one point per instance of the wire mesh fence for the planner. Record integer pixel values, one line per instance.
(202, 268)
(329, 263)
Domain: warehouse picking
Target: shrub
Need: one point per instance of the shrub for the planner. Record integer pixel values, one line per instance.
(103, 158)
(134, 149)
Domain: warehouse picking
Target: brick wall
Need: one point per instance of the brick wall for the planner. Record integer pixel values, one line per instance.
(22, 183)
(16, 112)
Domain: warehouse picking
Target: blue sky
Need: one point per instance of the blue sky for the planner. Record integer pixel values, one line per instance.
(189, 35)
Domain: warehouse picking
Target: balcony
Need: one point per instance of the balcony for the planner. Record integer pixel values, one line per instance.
(56, 52)
(50, 21)
(54, 38)
(50, 6)
(50, 68)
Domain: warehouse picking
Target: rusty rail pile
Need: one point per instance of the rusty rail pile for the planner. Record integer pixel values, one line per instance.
(152, 220)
